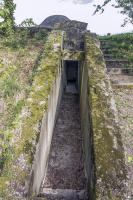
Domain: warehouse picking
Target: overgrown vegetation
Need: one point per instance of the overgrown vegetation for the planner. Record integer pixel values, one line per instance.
(22, 36)
(120, 46)
(7, 24)
(20, 55)
(26, 76)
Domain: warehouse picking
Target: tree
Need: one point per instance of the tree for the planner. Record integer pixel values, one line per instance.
(7, 21)
(27, 23)
(126, 7)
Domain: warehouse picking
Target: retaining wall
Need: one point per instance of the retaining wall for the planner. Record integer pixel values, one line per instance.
(47, 127)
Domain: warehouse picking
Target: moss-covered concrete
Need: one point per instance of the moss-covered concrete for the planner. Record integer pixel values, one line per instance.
(73, 55)
(17, 171)
(109, 158)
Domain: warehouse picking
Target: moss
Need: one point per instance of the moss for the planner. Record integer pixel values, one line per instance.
(108, 149)
(16, 68)
(73, 55)
(13, 85)
(38, 99)
(28, 122)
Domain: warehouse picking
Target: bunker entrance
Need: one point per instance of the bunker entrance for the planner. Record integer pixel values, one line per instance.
(72, 76)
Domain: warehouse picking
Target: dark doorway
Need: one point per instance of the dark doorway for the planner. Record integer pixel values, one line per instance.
(72, 76)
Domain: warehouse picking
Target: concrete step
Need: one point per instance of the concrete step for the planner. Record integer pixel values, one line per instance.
(116, 63)
(123, 85)
(106, 51)
(108, 56)
(107, 48)
(114, 70)
(117, 60)
(62, 194)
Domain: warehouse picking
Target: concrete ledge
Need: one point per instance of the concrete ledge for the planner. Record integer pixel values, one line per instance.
(123, 85)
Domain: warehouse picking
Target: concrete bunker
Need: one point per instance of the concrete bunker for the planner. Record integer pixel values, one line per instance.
(107, 164)
(72, 78)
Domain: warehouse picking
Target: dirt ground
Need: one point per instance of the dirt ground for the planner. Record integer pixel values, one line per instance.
(65, 168)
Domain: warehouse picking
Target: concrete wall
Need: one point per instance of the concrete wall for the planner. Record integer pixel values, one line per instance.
(43, 147)
(86, 130)
(73, 38)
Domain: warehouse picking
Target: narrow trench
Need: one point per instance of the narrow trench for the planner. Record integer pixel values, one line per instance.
(65, 177)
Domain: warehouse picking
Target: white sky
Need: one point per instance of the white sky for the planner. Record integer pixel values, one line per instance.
(109, 22)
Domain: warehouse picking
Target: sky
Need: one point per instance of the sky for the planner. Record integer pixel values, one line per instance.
(82, 10)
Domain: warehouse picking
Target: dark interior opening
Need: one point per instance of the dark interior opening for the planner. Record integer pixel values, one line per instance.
(72, 75)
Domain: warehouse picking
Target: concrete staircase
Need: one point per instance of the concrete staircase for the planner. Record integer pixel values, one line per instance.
(120, 74)
(65, 177)
(112, 62)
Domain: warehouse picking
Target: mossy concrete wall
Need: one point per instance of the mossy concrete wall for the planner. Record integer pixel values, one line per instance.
(49, 116)
(47, 126)
(109, 158)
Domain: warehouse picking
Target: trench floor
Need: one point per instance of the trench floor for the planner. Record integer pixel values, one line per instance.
(65, 167)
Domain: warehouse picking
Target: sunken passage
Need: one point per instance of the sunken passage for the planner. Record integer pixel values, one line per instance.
(65, 177)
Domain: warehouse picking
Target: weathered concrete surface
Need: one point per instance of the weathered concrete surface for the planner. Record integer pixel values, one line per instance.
(73, 39)
(123, 92)
(109, 155)
(66, 163)
(124, 103)
(121, 79)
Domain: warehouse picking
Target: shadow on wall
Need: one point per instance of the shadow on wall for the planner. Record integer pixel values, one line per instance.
(87, 131)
